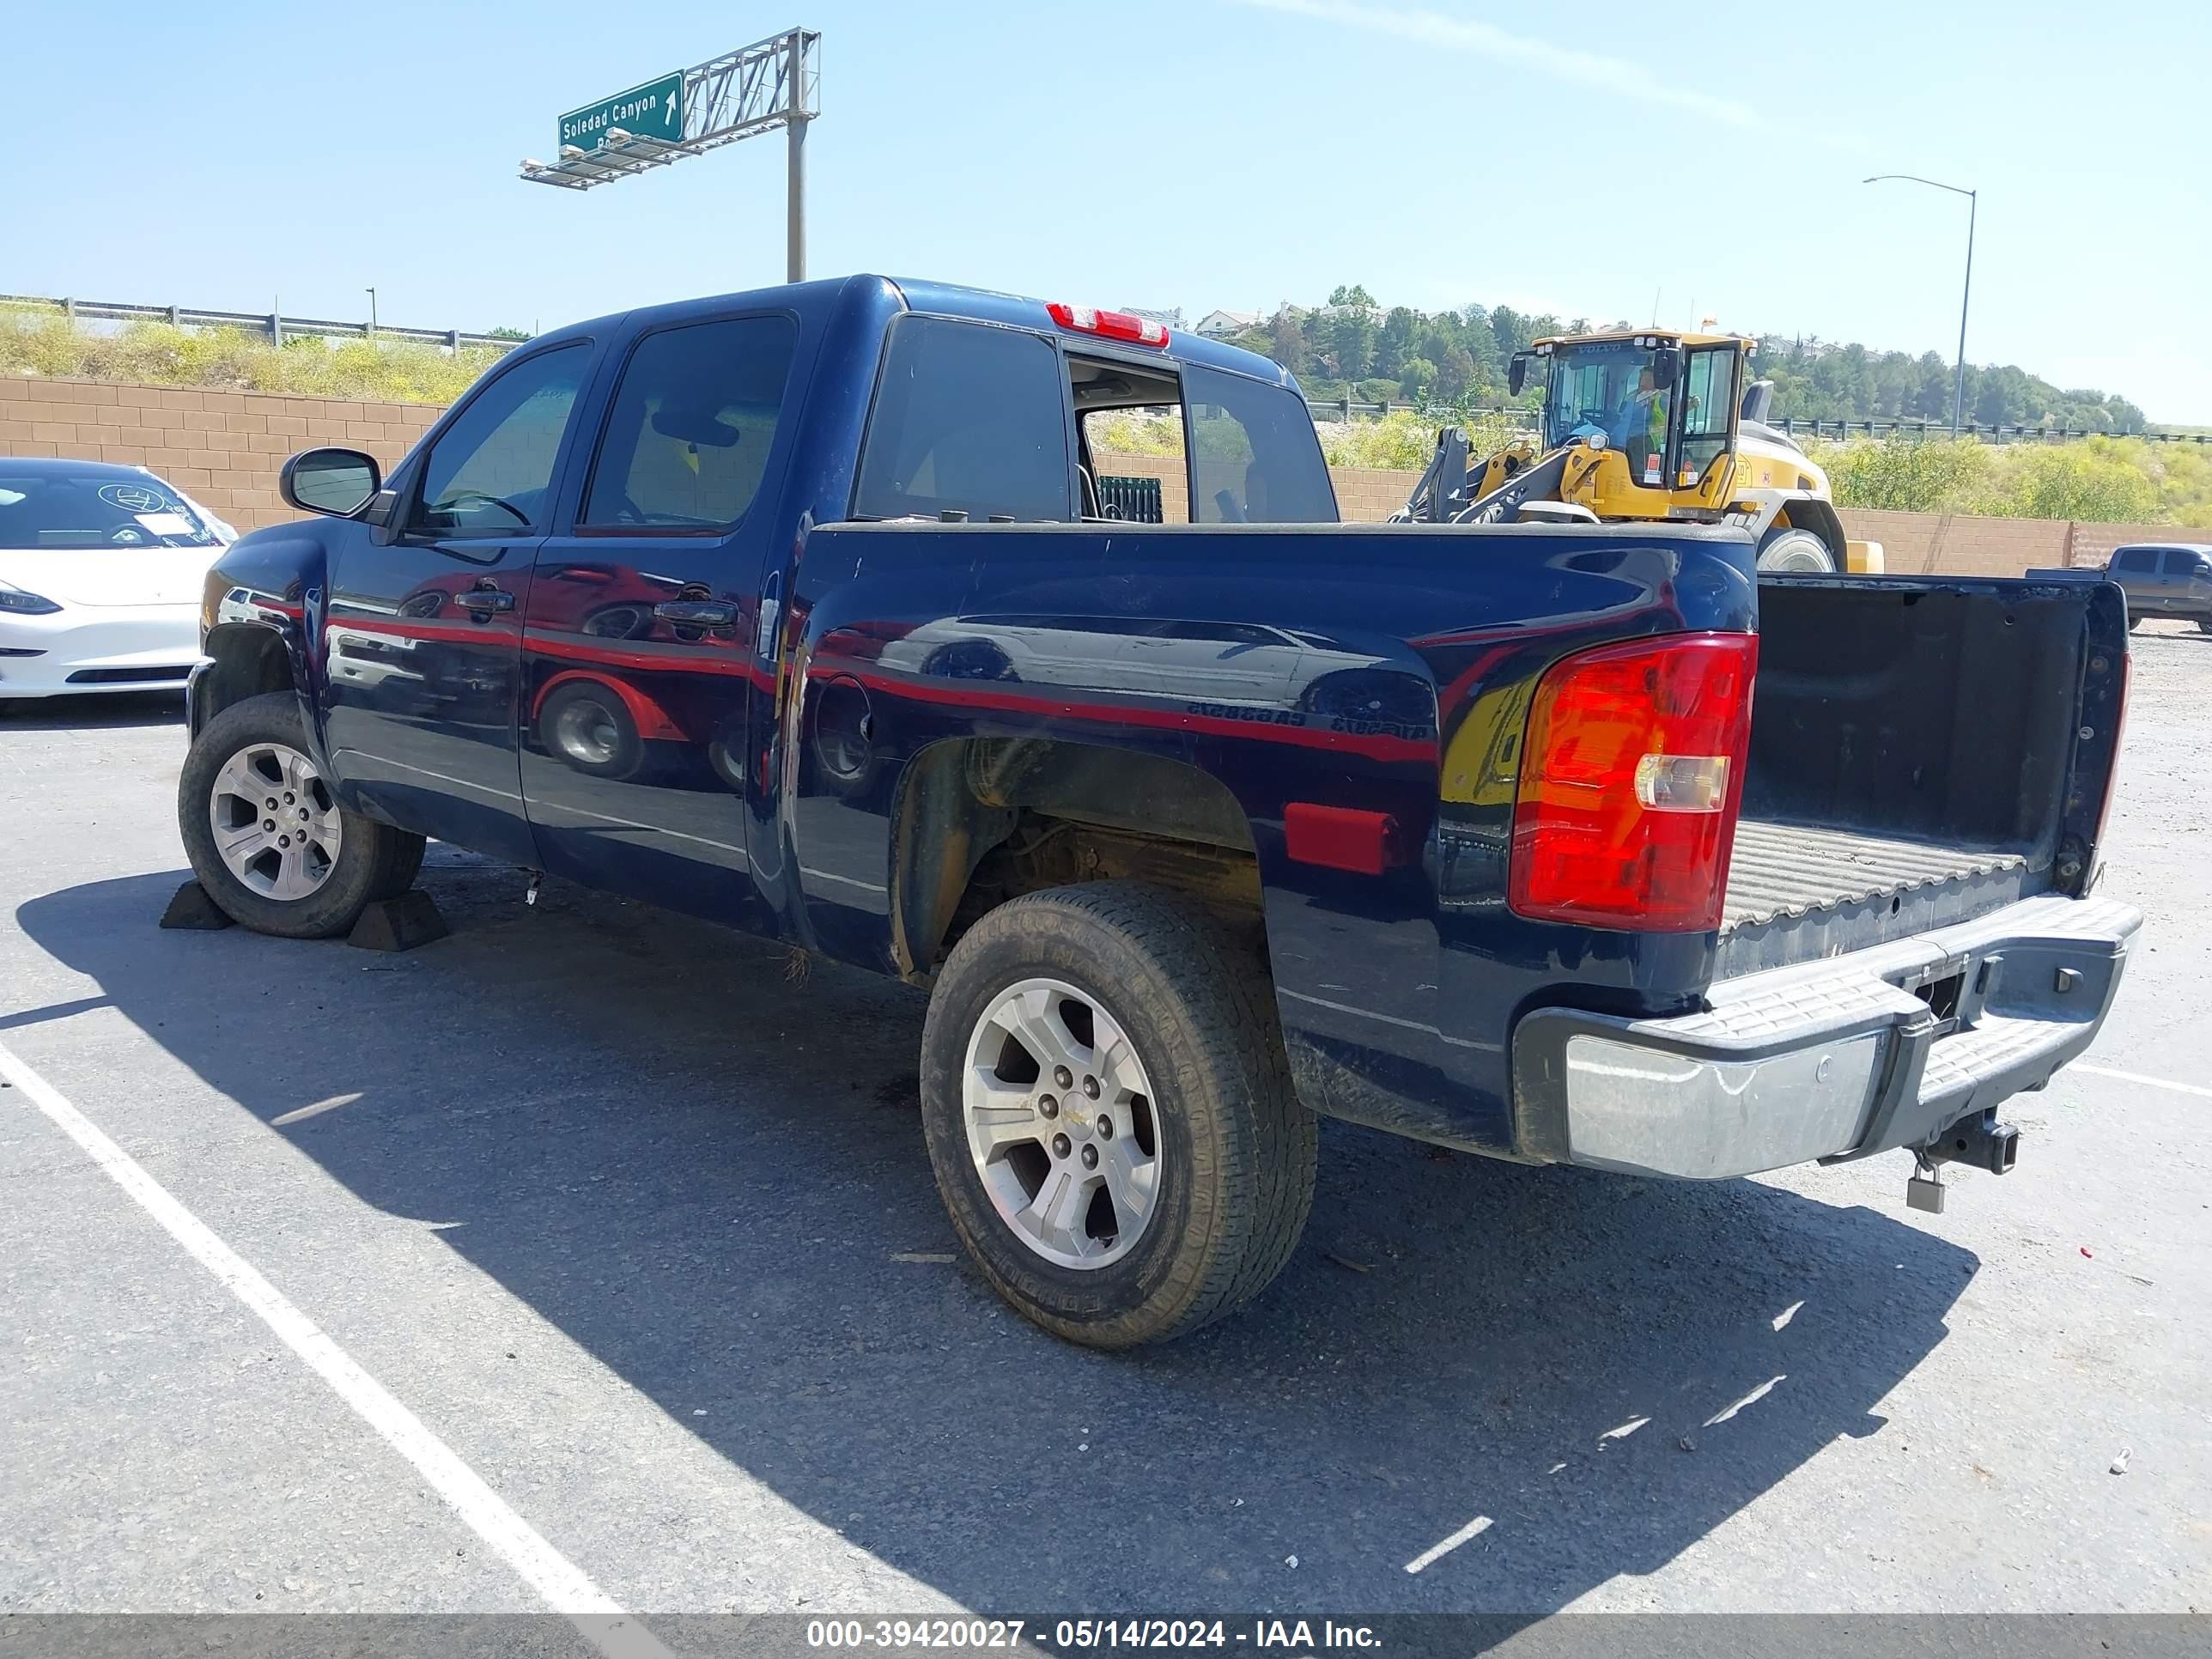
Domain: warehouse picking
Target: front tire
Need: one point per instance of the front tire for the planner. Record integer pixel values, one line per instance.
(266, 840)
(1111, 1115)
(1787, 550)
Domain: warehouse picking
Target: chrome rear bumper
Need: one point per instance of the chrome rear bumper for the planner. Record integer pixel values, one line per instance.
(1838, 1058)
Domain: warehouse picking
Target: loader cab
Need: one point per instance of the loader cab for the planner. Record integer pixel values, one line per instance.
(1652, 417)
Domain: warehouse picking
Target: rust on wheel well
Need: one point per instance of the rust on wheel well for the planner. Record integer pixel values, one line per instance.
(982, 820)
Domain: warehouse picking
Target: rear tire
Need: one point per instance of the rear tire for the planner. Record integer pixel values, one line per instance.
(1785, 548)
(341, 865)
(1232, 1152)
(2134, 622)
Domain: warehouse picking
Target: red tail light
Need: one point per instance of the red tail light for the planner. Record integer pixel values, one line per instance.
(1630, 779)
(1109, 325)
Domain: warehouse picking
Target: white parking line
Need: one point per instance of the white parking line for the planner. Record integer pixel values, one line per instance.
(559, 1581)
(2196, 1089)
(1428, 1557)
(1751, 1398)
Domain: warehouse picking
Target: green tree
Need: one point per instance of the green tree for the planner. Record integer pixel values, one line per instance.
(1352, 333)
(1509, 330)
(1454, 374)
(1395, 343)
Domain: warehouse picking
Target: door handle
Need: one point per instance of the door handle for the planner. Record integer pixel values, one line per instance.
(480, 602)
(696, 613)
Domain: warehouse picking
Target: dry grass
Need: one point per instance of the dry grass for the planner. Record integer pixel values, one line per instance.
(38, 340)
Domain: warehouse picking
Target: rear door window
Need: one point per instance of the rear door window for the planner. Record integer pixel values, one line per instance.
(688, 434)
(968, 419)
(2135, 558)
(1255, 457)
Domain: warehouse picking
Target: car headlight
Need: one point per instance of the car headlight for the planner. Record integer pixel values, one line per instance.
(29, 605)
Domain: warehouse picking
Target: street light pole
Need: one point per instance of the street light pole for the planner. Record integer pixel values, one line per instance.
(1973, 203)
(371, 308)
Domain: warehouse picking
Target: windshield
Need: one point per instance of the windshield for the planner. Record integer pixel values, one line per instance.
(52, 510)
(1610, 388)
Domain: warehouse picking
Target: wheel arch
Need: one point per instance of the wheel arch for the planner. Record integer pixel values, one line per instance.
(244, 660)
(1814, 513)
(978, 820)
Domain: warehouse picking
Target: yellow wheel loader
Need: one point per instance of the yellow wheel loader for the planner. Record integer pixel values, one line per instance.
(1647, 425)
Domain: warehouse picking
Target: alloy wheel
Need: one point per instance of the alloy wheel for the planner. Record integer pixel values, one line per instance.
(275, 827)
(1060, 1124)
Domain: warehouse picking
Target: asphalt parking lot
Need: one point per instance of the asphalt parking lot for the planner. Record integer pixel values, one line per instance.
(643, 1232)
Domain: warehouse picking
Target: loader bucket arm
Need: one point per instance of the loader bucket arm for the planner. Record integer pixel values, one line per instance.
(1539, 482)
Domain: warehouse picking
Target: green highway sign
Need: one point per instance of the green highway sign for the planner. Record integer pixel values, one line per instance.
(654, 110)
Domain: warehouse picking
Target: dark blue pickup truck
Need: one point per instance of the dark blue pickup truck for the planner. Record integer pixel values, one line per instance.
(1201, 814)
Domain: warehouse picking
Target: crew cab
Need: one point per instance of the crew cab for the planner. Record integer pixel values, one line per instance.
(805, 610)
(2171, 579)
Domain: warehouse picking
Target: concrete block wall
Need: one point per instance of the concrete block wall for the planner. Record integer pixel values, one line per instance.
(1364, 494)
(222, 449)
(1958, 544)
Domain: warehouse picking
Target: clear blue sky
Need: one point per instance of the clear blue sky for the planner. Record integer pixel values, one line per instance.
(1201, 153)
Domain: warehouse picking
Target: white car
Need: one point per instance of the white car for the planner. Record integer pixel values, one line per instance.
(100, 571)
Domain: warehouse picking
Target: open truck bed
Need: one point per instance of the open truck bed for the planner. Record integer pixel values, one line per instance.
(1795, 891)
(1915, 761)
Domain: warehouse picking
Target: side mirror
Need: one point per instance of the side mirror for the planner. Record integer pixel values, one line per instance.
(336, 482)
(1517, 372)
(1662, 372)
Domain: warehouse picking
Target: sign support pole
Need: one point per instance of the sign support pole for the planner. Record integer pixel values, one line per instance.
(794, 229)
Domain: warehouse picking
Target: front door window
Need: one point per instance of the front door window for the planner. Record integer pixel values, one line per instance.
(490, 473)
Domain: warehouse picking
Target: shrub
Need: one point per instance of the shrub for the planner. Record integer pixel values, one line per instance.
(1934, 476)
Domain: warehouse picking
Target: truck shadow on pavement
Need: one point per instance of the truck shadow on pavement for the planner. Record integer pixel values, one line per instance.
(104, 710)
(712, 1179)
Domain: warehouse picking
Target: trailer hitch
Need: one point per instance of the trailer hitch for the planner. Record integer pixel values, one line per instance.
(1981, 1142)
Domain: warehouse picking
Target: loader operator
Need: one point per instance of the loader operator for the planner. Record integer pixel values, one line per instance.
(1638, 428)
